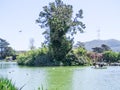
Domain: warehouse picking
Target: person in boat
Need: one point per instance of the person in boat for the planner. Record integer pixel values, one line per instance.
(96, 65)
(101, 65)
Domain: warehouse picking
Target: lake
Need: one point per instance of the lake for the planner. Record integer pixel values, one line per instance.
(61, 78)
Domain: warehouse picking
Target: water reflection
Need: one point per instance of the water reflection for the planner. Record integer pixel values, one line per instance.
(96, 79)
(5, 65)
(61, 78)
(29, 77)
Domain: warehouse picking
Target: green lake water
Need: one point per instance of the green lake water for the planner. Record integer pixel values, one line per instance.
(61, 78)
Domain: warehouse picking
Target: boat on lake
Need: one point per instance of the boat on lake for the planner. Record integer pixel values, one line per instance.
(100, 66)
(104, 67)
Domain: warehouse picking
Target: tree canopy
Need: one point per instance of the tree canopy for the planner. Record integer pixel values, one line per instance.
(58, 20)
(5, 50)
(101, 49)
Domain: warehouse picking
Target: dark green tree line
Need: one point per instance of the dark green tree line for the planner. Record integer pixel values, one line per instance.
(101, 49)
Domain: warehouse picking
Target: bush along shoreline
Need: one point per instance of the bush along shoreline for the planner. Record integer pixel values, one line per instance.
(42, 57)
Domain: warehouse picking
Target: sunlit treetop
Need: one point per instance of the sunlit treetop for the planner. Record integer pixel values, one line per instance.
(58, 16)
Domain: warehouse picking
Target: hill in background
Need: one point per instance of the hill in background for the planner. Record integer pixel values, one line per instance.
(112, 43)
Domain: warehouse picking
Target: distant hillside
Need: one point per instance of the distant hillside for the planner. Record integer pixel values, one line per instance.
(112, 43)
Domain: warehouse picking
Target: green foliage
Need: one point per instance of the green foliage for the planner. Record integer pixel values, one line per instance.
(81, 54)
(119, 57)
(38, 57)
(6, 84)
(110, 56)
(5, 50)
(80, 51)
(42, 57)
(57, 18)
(60, 27)
(77, 57)
(101, 49)
(105, 47)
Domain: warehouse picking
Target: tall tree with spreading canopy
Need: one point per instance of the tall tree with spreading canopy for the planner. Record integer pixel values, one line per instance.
(5, 50)
(58, 20)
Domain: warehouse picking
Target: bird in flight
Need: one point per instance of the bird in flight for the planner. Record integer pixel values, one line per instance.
(20, 31)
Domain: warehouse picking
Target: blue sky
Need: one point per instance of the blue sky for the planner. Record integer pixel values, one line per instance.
(16, 15)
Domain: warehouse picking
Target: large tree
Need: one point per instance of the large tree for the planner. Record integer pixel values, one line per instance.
(101, 49)
(3, 45)
(5, 50)
(58, 20)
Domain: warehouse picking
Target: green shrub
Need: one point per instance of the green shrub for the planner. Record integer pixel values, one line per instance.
(77, 57)
(110, 56)
(42, 57)
(38, 57)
